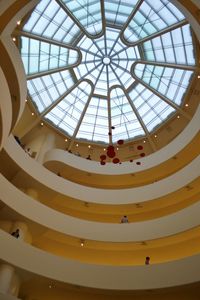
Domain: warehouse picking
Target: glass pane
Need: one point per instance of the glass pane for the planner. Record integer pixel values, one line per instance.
(47, 89)
(170, 82)
(41, 56)
(151, 17)
(69, 110)
(87, 13)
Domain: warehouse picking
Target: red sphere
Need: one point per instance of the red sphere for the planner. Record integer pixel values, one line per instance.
(111, 154)
(116, 160)
(140, 147)
(103, 157)
(110, 148)
(120, 142)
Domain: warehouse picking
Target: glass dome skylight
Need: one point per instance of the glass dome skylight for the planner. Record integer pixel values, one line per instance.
(95, 65)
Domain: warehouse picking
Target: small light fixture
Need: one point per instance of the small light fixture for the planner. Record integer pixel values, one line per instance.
(14, 39)
(82, 243)
(41, 123)
(76, 145)
(198, 76)
(18, 22)
(32, 113)
(178, 117)
(66, 140)
(144, 141)
(117, 148)
(186, 104)
(50, 286)
(104, 149)
(155, 135)
(26, 100)
(89, 146)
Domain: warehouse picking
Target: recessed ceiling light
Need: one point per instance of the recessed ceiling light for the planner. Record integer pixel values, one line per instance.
(155, 135)
(18, 22)
(178, 117)
(198, 76)
(41, 123)
(14, 39)
(66, 140)
(104, 149)
(76, 145)
(89, 146)
(32, 113)
(144, 142)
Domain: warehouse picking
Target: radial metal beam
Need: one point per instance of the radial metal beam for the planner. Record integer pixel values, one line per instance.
(166, 65)
(154, 35)
(49, 108)
(148, 136)
(153, 146)
(121, 87)
(49, 72)
(46, 40)
(79, 123)
(130, 18)
(81, 119)
(69, 13)
(90, 52)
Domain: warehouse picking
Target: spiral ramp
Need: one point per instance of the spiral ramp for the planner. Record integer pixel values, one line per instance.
(72, 243)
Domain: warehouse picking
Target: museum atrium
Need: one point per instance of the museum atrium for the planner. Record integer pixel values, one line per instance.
(99, 149)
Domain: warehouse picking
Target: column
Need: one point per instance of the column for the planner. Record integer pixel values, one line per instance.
(6, 276)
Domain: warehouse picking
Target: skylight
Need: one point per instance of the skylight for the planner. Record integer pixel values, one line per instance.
(95, 65)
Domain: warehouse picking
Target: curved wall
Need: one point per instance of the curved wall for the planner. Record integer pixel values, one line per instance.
(5, 110)
(88, 194)
(99, 276)
(139, 231)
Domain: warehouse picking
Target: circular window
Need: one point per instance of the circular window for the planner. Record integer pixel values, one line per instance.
(93, 66)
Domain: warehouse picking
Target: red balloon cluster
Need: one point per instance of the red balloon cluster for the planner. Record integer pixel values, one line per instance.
(111, 154)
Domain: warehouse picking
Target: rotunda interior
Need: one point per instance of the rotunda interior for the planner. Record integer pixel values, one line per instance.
(99, 149)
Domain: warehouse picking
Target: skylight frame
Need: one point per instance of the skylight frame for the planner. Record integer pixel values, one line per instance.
(119, 65)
